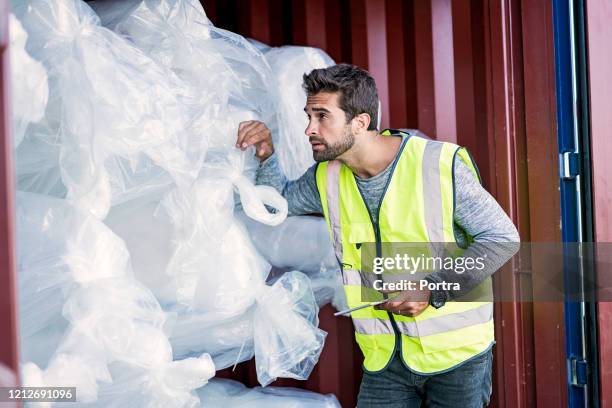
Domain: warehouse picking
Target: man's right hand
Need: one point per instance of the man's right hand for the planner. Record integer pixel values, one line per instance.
(255, 132)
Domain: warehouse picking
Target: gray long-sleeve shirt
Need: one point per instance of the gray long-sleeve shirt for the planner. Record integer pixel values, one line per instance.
(477, 214)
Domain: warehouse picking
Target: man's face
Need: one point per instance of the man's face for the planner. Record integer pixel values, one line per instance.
(327, 130)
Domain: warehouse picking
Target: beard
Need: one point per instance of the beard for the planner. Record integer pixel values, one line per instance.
(332, 151)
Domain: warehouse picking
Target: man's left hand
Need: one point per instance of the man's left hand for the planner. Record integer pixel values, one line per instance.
(407, 303)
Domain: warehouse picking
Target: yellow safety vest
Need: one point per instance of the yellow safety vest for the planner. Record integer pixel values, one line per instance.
(417, 206)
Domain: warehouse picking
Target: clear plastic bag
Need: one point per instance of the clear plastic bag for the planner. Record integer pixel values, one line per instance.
(237, 167)
(289, 64)
(218, 276)
(58, 249)
(170, 385)
(29, 89)
(221, 276)
(279, 329)
(301, 243)
(232, 394)
(285, 330)
(178, 35)
(211, 275)
(75, 282)
(116, 113)
(229, 341)
(139, 132)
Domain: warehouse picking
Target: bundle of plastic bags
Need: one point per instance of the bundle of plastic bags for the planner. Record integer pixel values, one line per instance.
(29, 89)
(220, 277)
(217, 63)
(301, 243)
(120, 120)
(232, 394)
(289, 64)
(216, 270)
(83, 315)
(142, 259)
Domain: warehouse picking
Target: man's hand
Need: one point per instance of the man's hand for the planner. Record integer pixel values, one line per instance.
(407, 303)
(254, 132)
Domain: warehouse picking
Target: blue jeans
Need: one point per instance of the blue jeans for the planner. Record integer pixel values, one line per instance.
(467, 386)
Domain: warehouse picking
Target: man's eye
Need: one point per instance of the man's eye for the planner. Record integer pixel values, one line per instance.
(322, 116)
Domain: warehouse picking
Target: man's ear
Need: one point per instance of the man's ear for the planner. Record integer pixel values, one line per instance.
(361, 122)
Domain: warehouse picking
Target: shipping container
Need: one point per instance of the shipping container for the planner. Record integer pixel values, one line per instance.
(506, 79)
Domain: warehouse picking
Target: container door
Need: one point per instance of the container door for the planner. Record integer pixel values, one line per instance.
(576, 216)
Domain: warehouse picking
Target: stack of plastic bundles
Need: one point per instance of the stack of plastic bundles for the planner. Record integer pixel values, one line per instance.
(301, 242)
(82, 314)
(121, 122)
(138, 137)
(85, 320)
(219, 276)
(289, 64)
(232, 394)
(29, 89)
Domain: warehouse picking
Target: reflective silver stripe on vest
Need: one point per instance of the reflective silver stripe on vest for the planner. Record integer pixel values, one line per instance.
(372, 326)
(453, 321)
(332, 186)
(432, 195)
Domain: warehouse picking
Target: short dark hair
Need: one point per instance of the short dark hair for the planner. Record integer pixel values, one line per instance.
(356, 86)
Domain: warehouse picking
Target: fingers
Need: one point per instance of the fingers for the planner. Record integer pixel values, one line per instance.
(243, 129)
(390, 306)
(406, 308)
(255, 136)
(251, 132)
(255, 133)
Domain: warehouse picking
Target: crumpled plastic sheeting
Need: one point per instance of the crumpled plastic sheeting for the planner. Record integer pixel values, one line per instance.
(217, 245)
(177, 245)
(232, 394)
(59, 248)
(170, 385)
(229, 341)
(222, 301)
(75, 282)
(286, 329)
(279, 329)
(233, 165)
(29, 89)
(170, 213)
(301, 243)
(116, 113)
(178, 35)
(147, 233)
(289, 64)
(308, 250)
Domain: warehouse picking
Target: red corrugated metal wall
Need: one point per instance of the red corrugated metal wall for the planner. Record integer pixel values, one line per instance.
(475, 72)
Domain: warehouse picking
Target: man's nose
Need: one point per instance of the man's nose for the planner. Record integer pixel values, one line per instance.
(311, 130)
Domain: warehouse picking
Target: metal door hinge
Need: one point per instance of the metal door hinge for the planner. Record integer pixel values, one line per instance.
(577, 370)
(569, 165)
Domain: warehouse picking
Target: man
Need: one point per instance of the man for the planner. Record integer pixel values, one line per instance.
(422, 347)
